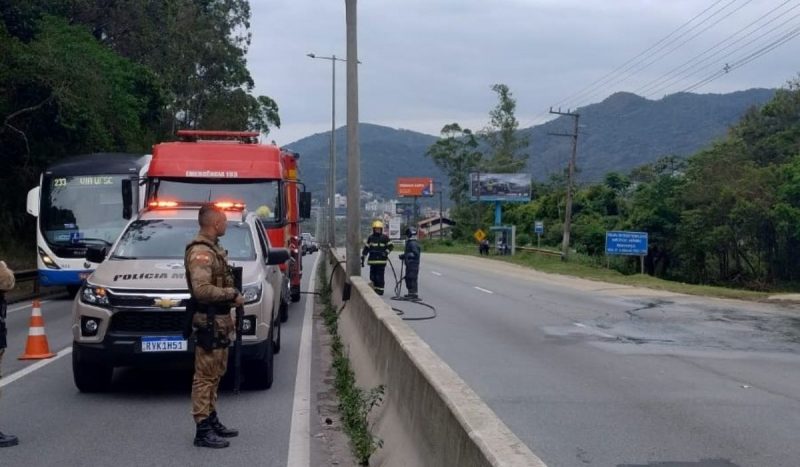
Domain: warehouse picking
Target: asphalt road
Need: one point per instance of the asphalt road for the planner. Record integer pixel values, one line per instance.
(587, 373)
(145, 419)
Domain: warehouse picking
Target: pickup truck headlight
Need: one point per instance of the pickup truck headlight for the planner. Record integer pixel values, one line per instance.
(251, 293)
(94, 295)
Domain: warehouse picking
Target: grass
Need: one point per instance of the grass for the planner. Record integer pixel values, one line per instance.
(355, 403)
(587, 268)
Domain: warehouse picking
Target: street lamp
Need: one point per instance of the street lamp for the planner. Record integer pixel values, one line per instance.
(332, 176)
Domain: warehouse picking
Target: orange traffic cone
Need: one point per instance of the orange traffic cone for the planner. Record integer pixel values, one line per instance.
(37, 347)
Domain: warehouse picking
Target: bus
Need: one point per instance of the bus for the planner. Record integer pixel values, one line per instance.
(209, 165)
(83, 201)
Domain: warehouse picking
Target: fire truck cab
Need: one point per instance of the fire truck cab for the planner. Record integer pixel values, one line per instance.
(213, 165)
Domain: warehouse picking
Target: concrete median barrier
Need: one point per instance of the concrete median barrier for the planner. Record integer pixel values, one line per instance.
(429, 417)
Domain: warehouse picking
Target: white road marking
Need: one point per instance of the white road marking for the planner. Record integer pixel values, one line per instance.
(11, 310)
(300, 431)
(30, 369)
(580, 325)
(436, 273)
(483, 290)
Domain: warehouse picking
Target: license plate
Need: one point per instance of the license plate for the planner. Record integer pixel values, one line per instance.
(163, 344)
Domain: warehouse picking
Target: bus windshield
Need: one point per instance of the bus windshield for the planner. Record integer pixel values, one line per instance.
(261, 197)
(82, 209)
(167, 239)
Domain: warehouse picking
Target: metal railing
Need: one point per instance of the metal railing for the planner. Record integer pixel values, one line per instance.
(539, 250)
(28, 275)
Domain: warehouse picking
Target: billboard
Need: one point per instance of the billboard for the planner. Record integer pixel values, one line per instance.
(394, 228)
(415, 186)
(500, 187)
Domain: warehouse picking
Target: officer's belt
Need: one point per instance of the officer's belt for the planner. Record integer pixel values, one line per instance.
(213, 308)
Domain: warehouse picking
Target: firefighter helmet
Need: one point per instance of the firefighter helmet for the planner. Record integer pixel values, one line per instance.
(376, 224)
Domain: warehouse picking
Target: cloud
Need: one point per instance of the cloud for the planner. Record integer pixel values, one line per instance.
(427, 63)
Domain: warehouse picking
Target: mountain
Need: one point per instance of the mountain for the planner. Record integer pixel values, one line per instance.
(621, 132)
(386, 153)
(625, 131)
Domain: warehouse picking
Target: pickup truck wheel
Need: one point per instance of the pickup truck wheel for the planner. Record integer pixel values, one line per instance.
(276, 344)
(90, 376)
(259, 373)
(283, 312)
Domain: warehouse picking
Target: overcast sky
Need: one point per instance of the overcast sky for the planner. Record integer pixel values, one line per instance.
(427, 63)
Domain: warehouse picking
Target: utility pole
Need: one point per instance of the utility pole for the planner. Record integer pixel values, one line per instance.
(570, 179)
(353, 148)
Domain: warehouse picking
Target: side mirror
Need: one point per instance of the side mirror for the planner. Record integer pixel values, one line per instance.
(277, 256)
(305, 205)
(33, 201)
(127, 199)
(96, 254)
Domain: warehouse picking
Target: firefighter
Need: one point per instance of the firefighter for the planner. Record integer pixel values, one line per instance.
(377, 247)
(210, 282)
(411, 257)
(6, 284)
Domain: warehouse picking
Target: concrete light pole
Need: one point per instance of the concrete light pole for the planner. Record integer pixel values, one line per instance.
(353, 148)
(332, 163)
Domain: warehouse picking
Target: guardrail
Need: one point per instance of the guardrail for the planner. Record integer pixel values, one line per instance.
(28, 275)
(539, 250)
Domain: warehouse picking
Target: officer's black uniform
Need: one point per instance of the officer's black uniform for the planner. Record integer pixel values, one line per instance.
(377, 247)
(411, 257)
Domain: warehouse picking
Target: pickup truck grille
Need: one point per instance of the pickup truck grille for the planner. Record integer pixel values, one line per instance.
(148, 321)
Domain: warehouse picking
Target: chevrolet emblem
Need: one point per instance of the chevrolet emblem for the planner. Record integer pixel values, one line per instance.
(166, 302)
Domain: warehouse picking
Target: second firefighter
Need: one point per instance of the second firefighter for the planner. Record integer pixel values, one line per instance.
(376, 250)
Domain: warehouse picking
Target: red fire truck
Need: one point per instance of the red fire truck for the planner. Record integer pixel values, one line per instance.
(232, 165)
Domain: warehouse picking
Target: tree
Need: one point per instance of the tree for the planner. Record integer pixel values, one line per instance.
(505, 143)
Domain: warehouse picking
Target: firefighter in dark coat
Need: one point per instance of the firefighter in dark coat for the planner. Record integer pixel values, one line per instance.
(411, 257)
(376, 249)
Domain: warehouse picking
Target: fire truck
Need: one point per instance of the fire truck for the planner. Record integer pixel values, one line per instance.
(232, 165)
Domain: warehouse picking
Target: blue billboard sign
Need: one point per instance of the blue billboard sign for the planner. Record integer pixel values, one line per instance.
(538, 227)
(626, 243)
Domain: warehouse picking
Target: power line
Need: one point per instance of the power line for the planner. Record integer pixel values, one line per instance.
(646, 65)
(621, 67)
(749, 58)
(737, 49)
(636, 66)
(669, 77)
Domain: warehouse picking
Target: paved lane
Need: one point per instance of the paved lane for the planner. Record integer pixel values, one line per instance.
(596, 374)
(145, 419)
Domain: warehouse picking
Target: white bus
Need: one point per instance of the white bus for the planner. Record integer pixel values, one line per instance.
(82, 201)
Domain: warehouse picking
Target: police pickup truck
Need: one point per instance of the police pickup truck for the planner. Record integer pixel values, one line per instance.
(132, 310)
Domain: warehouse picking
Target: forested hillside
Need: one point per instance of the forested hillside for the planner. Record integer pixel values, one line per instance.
(617, 134)
(729, 214)
(83, 76)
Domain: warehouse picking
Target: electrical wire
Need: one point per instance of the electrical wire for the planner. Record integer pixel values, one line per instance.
(644, 66)
(661, 82)
(622, 67)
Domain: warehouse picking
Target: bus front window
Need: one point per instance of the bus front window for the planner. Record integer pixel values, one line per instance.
(81, 210)
(261, 197)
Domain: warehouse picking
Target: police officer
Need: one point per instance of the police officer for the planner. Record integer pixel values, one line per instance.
(210, 283)
(411, 257)
(377, 247)
(6, 284)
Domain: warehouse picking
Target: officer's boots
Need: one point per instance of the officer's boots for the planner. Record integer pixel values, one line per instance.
(219, 428)
(207, 438)
(8, 440)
